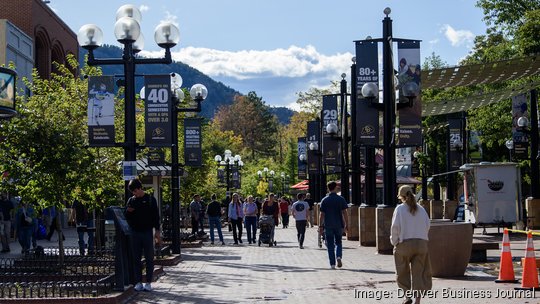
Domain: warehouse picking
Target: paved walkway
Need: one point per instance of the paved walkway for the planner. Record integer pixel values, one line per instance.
(287, 274)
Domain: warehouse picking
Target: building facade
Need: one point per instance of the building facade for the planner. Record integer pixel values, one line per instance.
(52, 39)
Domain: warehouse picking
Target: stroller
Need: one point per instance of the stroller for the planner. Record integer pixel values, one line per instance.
(266, 230)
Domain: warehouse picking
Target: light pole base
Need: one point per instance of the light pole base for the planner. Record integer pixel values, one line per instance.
(437, 209)
(352, 228)
(367, 225)
(384, 222)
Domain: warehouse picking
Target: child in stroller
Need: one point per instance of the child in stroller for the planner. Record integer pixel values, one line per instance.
(266, 230)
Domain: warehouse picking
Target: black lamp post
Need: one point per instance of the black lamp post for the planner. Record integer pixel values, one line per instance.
(355, 149)
(267, 176)
(198, 93)
(532, 129)
(344, 140)
(127, 32)
(422, 160)
(510, 146)
(370, 91)
(284, 183)
(320, 188)
(230, 164)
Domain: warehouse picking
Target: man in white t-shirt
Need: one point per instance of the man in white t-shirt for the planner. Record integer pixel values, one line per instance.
(300, 211)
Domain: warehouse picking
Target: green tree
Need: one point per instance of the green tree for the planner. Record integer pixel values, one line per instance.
(45, 147)
(250, 118)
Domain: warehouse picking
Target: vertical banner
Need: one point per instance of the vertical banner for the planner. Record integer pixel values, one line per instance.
(410, 117)
(221, 176)
(192, 142)
(235, 174)
(156, 157)
(302, 164)
(330, 146)
(455, 142)
(313, 136)
(521, 142)
(158, 110)
(367, 70)
(100, 111)
(270, 185)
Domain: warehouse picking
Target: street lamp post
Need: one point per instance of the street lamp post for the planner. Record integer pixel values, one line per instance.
(230, 164)
(510, 146)
(284, 182)
(198, 93)
(127, 32)
(267, 175)
(344, 140)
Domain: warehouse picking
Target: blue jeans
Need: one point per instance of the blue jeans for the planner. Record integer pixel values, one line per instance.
(143, 241)
(333, 238)
(90, 229)
(251, 228)
(215, 221)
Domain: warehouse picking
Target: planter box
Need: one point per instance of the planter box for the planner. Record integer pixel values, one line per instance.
(450, 246)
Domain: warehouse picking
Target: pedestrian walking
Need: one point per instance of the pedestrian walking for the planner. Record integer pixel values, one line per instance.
(250, 218)
(195, 208)
(5, 225)
(284, 210)
(202, 216)
(409, 235)
(311, 203)
(236, 216)
(84, 221)
(333, 221)
(24, 219)
(142, 215)
(54, 214)
(300, 210)
(270, 207)
(214, 219)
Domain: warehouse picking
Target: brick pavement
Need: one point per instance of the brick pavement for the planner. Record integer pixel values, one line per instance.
(286, 274)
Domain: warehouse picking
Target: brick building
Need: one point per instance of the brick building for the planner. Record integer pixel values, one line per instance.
(51, 38)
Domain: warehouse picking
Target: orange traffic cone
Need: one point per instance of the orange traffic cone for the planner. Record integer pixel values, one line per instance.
(529, 279)
(506, 268)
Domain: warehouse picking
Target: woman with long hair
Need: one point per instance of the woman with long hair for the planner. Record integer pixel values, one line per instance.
(409, 235)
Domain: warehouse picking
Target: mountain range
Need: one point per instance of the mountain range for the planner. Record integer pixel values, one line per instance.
(218, 93)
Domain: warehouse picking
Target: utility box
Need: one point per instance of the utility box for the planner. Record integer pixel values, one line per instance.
(492, 193)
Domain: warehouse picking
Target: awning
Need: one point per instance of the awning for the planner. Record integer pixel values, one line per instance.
(303, 185)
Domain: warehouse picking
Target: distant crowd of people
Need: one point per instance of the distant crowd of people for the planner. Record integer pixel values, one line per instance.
(240, 212)
(27, 223)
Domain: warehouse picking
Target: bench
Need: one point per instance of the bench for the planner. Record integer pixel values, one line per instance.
(479, 251)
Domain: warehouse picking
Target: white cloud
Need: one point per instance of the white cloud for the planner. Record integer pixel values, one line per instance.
(170, 18)
(457, 37)
(276, 75)
(144, 8)
(246, 64)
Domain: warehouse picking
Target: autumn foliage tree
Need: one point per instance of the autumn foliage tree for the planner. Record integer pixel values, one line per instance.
(250, 118)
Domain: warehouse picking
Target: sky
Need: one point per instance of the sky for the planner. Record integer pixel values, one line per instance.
(278, 48)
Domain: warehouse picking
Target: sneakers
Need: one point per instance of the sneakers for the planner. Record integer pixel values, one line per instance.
(223, 243)
(212, 243)
(138, 287)
(332, 266)
(147, 287)
(339, 264)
